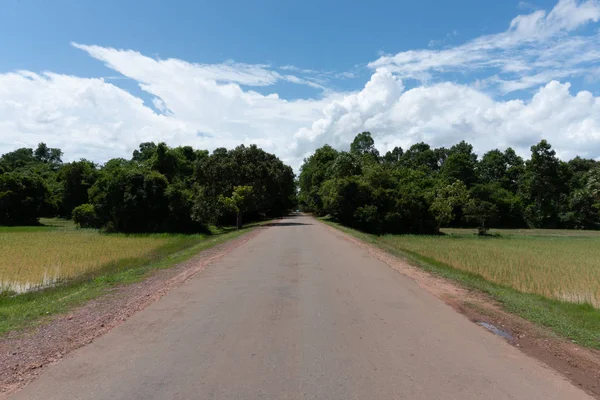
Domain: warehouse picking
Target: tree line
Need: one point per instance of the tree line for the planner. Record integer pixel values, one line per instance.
(421, 189)
(160, 189)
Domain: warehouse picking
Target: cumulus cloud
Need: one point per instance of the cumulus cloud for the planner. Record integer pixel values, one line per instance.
(85, 117)
(200, 105)
(214, 105)
(446, 113)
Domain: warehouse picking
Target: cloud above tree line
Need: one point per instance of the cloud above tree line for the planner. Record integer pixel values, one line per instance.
(219, 105)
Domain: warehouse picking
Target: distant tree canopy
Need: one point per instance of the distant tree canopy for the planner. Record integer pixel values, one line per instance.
(160, 189)
(422, 189)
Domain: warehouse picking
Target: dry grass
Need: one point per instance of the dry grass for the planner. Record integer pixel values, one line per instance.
(562, 265)
(40, 256)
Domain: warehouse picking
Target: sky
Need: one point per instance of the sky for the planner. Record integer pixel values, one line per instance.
(96, 78)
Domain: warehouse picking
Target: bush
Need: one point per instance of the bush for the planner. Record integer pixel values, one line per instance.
(85, 216)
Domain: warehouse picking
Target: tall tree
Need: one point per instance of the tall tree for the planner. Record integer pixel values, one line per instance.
(48, 155)
(364, 146)
(542, 186)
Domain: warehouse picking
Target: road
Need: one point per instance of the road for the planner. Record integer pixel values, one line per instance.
(298, 312)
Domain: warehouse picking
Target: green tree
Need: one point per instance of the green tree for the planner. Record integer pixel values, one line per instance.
(76, 179)
(420, 156)
(238, 202)
(145, 152)
(447, 198)
(364, 146)
(482, 212)
(460, 163)
(132, 200)
(22, 197)
(17, 159)
(593, 182)
(45, 154)
(542, 186)
(345, 164)
(393, 157)
(313, 173)
(508, 204)
(168, 162)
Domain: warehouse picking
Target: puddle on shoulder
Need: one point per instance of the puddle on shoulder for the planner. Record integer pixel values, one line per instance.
(495, 330)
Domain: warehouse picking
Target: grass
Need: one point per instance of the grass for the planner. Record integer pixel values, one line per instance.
(32, 259)
(525, 232)
(549, 278)
(89, 262)
(557, 267)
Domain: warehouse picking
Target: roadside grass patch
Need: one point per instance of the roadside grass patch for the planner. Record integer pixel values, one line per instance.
(550, 280)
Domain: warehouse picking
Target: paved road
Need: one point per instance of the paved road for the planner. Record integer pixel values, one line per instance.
(299, 313)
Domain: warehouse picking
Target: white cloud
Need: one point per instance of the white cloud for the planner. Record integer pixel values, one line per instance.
(230, 72)
(96, 119)
(211, 105)
(85, 117)
(446, 113)
(531, 44)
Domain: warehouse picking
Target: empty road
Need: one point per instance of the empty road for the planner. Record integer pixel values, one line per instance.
(298, 312)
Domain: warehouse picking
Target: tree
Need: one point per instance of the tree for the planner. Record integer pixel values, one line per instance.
(393, 156)
(313, 173)
(48, 155)
(161, 189)
(272, 181)
(482, 212)
(238, 202)
(542, 186)
(345, 164)
(145, 152)
(17, 159)
(132, 200)
(447, 198)
(508, 204)
(459, 163)
(364, 146)
(593, 183)
(168, 162)
(22, 197)
(461, 167)
(421, 156)
(76, 178)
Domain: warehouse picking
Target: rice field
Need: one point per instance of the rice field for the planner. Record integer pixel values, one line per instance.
(34, 257)
(556, 264)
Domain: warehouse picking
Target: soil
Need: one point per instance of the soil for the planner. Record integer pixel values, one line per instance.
(24, 355)
(580, 365)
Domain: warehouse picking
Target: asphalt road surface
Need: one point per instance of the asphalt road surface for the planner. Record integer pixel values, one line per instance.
(298, 312)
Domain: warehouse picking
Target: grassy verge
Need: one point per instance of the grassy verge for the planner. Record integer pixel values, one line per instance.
(26, 310)
(577, 322)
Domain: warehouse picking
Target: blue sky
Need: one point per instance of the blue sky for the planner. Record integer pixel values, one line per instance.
(291, 76)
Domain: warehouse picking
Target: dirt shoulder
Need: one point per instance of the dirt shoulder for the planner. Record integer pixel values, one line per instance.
(581, 366)
(24, 355)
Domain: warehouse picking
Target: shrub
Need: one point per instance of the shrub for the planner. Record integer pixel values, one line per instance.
(85, 216)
